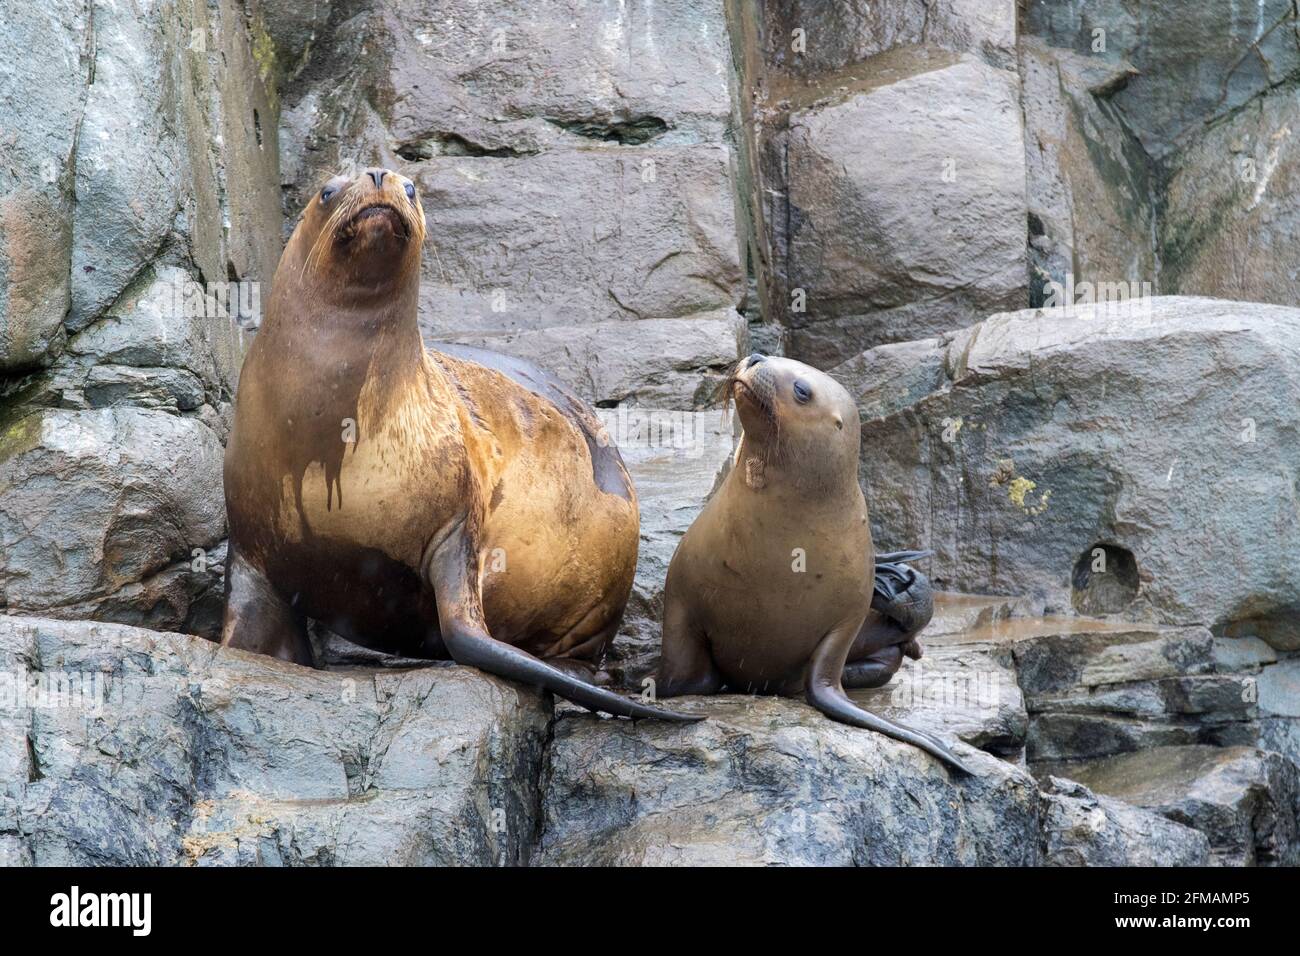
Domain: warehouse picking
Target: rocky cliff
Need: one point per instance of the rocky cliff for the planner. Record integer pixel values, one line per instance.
(635, 194)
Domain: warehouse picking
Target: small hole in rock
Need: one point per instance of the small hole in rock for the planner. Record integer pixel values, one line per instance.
(1105, 580)
(257, 128)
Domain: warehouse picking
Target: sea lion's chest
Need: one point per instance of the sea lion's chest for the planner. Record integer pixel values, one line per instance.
(780, 571)
(324, 482)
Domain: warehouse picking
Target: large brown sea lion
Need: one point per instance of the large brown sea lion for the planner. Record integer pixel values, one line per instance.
(771, 588)
(432, 503)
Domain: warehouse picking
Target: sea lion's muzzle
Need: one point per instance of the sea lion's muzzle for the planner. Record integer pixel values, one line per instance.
(374, 219)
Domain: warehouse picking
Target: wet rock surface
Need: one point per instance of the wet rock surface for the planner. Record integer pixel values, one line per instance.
(1244, 800)
(766, 781)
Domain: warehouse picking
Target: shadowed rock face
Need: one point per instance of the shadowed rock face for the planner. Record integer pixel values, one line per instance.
(1231, 227)
(1022, 446)
(1191, 70)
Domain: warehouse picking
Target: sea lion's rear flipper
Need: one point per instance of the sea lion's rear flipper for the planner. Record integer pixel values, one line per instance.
(825, 692)
(465, 633)
(901, 593)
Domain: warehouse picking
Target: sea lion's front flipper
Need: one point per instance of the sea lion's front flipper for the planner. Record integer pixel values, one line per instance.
(685, 664)
(452, 570)
(258, 619)
(825, 692)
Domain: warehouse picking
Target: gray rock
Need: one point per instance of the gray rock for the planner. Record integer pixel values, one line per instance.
(1161, 433)
(186, 596)
(838, 35)
(771, 781)
(160, 322)
(887, 250)
(1083, 829)
(95, 500)
(42, 97)
(1090, 185)
(1230, 226)
(658, 363)
(1244, 800)
(502, 261)
(129, 165)
(458, 79)
(1191, 70)
(571, 187)
(165, 750)
(967, 691)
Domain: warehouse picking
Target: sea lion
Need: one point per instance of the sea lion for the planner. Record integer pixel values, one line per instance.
(429, 503)
(771, 588)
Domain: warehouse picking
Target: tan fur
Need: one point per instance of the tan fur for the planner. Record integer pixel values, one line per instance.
(344, 532)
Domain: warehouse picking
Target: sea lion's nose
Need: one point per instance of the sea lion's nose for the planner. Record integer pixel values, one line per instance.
(378, 176)
(754, 360)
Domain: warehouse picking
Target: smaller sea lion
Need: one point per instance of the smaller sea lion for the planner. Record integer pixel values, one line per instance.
(774, 589)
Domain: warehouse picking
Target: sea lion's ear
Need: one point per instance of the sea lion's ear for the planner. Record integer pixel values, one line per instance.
(839, 422)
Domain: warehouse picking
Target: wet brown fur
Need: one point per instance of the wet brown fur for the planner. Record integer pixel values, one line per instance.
(350, 533)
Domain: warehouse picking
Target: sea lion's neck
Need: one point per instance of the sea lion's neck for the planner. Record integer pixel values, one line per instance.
(321, 347)
(760, 470)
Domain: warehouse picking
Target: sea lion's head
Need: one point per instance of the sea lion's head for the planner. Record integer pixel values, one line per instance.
(362, 231)
(795, 418)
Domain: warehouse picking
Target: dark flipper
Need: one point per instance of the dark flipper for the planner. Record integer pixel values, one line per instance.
(474, 647)
(901, 593)
(875, 670)
(825, 692)
(257, 619)
(460, 616)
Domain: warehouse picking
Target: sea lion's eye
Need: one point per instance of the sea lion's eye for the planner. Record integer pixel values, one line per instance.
(327, 193)
(802, 393)
(410, 192)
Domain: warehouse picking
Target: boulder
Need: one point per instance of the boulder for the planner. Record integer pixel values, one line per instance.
(871, 249)
(1244, 800)
(143, 748)
(1135, 458)
(1230, 226)
(1190, 70)
(1083, 829)
(92, 501)
(772, 781)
